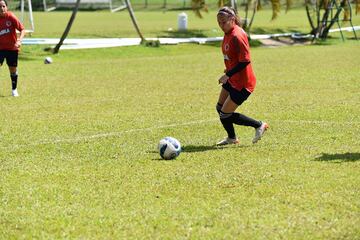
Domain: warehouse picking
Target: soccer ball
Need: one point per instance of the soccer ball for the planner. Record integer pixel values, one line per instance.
(48, 60)
(169, 148)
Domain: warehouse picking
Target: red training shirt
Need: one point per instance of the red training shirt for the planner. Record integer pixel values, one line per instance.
(8, 26)
(235, 48)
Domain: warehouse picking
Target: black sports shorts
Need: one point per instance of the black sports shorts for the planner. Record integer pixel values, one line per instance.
(10, 56)
(237, 96)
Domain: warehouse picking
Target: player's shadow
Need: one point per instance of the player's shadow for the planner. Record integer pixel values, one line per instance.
(204, 148)
(198, 148)
(339, 157)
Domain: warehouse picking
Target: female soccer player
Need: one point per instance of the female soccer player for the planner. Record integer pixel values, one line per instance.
(10, 43)
(239, 80)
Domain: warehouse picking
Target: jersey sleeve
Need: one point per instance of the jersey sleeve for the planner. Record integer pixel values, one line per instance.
(17, 24)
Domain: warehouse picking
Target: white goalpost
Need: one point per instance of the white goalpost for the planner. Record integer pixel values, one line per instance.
(25, 14)
(48, 7)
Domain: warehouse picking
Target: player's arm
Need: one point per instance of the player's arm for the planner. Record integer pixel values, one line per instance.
(243, 56)
(20, 38)
(238, 67)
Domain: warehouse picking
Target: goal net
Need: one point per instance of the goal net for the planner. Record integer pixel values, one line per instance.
(23, 10)
(113, 5)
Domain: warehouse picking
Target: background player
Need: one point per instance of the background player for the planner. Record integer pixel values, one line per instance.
(10, 43)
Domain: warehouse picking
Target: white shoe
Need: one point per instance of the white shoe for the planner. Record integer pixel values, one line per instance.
(227, 141)
(259, 132)
(15, 93)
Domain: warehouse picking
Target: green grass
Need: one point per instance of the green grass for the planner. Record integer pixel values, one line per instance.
(78, 155)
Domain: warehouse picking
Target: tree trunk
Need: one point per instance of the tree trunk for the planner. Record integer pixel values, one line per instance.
(133, 19)
(253, 15)
(68, 27)
(334, 19)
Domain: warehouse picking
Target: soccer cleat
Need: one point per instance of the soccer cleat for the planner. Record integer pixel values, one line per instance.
(15, 93)
(259, 132)
(227, 141)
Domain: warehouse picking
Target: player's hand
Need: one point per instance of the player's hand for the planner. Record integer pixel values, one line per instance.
(224, 78)
(18, 43)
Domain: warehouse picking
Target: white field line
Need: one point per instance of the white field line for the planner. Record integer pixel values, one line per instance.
(120, 133)
(105, 135)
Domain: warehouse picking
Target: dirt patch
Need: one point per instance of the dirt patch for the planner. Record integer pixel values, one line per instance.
(281, 42)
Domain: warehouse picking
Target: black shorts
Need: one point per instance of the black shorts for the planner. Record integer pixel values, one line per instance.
(10, 56)
(237, 96)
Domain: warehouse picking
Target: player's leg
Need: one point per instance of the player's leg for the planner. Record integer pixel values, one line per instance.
(259, 126)
(14, 80)
(230, 116)
(12, 61)
(2, 57)
(240, 119)
(222, 97)
(224, 107)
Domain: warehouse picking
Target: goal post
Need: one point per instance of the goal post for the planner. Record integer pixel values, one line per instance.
(23, 9)
(49, 6)
(27, 18)
(112, 5)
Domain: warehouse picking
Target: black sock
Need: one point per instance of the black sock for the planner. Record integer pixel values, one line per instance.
(241, 119)
(14, 78)
(226, 120)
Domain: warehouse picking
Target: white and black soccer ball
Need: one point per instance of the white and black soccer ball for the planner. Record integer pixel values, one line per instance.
(48, 60)
(169, 148)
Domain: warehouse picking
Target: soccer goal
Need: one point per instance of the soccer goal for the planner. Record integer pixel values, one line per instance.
(113, 5)
(27, 17)
(23, 10)
(49, 5)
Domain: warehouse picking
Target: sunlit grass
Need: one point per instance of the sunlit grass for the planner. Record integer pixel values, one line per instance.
(78, 155)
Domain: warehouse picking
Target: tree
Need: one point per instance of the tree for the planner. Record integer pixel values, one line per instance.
(133, 19)
(68, 27)
(251, 7)
(323, 14)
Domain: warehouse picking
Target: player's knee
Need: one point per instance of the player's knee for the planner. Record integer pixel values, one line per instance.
(218, 107)
(224, 115)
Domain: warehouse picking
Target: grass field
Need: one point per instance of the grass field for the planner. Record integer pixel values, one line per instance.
(78, 155)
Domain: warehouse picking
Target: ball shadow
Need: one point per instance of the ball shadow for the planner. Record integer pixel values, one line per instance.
(199, 148)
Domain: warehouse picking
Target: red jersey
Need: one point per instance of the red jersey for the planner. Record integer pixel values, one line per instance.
(235, 48)
(8, 26)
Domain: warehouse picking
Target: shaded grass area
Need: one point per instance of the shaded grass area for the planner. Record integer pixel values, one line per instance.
(343, 157)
